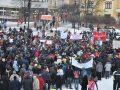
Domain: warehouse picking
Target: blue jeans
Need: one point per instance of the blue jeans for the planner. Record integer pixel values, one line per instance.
(76, 83)
(69, 82)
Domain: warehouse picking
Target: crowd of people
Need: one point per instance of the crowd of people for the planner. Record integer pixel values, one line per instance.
(28, 64)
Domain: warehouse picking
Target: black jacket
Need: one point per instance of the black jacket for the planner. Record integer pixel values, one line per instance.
(15, 85)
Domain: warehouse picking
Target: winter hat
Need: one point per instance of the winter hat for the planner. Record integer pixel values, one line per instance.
(3, 59)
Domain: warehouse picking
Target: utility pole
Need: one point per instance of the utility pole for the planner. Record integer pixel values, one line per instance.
(29, 12)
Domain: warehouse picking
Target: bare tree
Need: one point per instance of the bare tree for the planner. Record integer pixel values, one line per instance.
(90, 7)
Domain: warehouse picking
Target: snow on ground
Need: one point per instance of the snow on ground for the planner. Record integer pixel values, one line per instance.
(104, 84)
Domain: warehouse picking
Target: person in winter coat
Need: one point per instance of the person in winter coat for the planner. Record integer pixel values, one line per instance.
(76, 77)
(84, 83)
(58, 81)
(27, 83)
(46, 77)
(2, 67)
(14, 74)
(91, 84)
(41, 82)
(116, 83)
(69, 76)
(99, 69)
(15, 84)
(107, 69)
(15, 66)
(36, 83)
(4, 82)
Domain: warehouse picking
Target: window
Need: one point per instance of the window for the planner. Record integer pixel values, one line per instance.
(14, 13)
(90, 4)
(108, 5)
(107, 15)
(1, 12)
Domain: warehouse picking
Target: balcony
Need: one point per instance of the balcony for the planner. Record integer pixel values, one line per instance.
(8, 17)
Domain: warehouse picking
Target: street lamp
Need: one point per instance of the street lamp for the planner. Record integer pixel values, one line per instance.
(29, 11)
(35, 14)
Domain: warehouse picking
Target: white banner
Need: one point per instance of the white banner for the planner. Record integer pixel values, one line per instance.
(42, 40)
(35, 33)
(88, 64)
(49, 42)
(47, 33)
(76, 36)
(116, 44)
(11, 40)
(63, 35)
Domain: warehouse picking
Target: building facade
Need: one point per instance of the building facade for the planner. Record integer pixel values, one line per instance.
(110, 8)
(55, 4)
(13, 10)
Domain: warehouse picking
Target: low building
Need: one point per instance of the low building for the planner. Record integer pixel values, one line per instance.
(13, 10)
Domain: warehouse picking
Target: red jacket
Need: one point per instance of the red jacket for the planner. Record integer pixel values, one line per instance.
(41, 83)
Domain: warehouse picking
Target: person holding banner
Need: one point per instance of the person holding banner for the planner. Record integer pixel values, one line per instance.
(76, 77)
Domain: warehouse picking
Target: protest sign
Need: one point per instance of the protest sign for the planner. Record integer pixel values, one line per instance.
(116, 44)
(50, 34)
(99, 36)
(35, 33)
(63, 35)
(42, 40)
(76, 36)
(49, 42)
(11, 40)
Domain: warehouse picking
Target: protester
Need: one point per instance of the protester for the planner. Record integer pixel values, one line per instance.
(23, 55)
(91, 84)
(69, 76)
(27, 83)
(4, 82)
(116, 76)
(84, 83)
(15, 84)
(99, 69)
(76, 78)
(36, 82)
(107, 69)
(13, 75)
(41, 82)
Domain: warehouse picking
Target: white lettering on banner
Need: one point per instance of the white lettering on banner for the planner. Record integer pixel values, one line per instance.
(116, 44)
(43, 41)
(63, 35)
(76, 36)
(88, 64)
